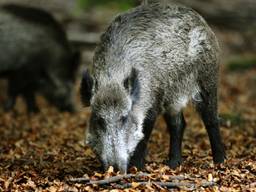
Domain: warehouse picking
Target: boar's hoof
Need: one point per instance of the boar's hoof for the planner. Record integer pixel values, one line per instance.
(174, 163)
(219, 158)
(139, 164)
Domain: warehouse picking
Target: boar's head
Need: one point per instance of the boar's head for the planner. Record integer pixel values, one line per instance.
(113, 132)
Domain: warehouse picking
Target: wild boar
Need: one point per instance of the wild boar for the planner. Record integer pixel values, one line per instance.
(35, 55)
(151, 60)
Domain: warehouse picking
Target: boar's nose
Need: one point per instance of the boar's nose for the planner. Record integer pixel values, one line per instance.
(123, 170)
(119, 166)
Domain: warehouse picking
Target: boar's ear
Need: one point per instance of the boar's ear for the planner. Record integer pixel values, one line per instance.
(86, 88)
(132, 85)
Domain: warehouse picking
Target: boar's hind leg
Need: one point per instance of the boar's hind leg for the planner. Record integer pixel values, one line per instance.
(138, 157)
(12, 95)
(9, 103)
(207, 108)
(176, 125)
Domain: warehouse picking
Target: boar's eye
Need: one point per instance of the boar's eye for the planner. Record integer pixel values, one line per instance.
(101, 122)
(126, 83)
(124, 119)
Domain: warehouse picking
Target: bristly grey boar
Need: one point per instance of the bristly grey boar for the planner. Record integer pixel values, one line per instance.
(151, 60)
(36, 56)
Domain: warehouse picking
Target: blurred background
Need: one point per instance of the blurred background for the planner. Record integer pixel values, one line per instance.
(233, 21)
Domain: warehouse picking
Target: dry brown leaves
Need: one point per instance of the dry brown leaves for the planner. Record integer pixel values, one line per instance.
(42, 152)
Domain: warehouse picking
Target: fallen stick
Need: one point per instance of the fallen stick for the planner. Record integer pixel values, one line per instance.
(108, 180)
(161, 184)
(83, 39)
(115, 179)
(190, 186)
(118, 178)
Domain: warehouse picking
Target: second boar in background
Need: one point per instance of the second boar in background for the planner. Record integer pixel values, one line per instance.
(35, 55)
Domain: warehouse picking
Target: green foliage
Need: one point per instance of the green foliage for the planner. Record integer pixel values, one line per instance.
(122, 4)
(232, 119)
(241, 64)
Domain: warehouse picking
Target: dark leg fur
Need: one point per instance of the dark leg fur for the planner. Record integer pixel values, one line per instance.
(18, 85)
(9, 103)
(176, 125)
(208, 111)
(12, 95)
(138, 158)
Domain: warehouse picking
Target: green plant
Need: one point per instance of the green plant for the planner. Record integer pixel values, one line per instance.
(241, 64)
(122, 4)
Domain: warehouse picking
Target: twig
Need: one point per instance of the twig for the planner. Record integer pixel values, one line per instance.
(190, 186)
(118, 178)
(208, 183)
(161, 184)
(124, 185)
(79, 180)
(108, 180)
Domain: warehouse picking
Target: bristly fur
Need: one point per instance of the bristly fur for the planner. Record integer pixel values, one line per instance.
(175, 54)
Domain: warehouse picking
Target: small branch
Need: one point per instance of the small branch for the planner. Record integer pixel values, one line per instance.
(123, 185)
(208, 183)
(118, 178)
(79, 180)
(108, 180)
(190, 186)
(161, 184)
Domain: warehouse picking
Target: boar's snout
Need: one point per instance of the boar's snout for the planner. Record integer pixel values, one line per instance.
(115, 152)
(122, 167)
(119, 165)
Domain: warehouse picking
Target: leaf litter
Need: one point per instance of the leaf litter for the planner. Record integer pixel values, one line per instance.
(45, 151)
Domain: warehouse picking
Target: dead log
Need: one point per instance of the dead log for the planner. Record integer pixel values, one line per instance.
(83, 40)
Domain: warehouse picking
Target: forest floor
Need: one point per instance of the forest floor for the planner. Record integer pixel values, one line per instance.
(41, 152)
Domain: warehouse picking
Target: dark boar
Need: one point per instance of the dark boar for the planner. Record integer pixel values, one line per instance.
(35, 56)
(151, 60)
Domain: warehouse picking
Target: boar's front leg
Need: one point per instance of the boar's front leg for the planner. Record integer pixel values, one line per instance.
(138, 157)
(176, 125)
